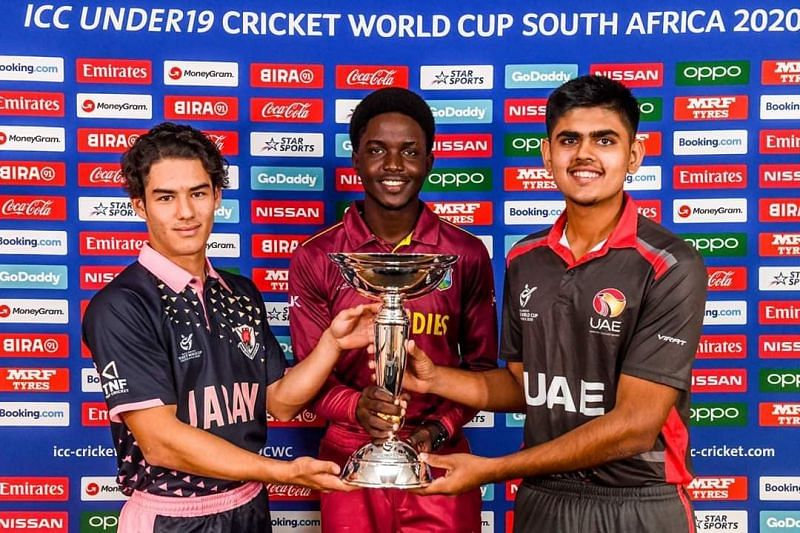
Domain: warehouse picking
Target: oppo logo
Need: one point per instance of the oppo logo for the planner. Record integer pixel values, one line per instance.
(712, 244)
(456, 178)
(527, 144)
(645, 108)
(714, 72)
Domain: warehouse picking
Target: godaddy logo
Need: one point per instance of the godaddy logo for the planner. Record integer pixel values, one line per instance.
(713, 73)
(771, 380)
(523, 144)
(718, 414)
(459, 179)
(718, 244)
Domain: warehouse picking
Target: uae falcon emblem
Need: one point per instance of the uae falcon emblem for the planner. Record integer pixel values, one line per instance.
(247, 340)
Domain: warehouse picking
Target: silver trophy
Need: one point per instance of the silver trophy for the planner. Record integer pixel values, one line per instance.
(392, 278)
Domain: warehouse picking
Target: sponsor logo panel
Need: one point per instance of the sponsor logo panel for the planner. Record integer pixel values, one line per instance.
(718, 210)
(291, 493)
(287, 178)
(232, 178)
(201, 73)
(779, 244)
(33, 414)
(727, 278)
(772, 414)
(227, 212)
(32, 68)
(211, 108)
(33, 277)
(347, 180)
(41, 521)
(123, 71)
(111, 242)
(651, 109)
(652, 142)
(718, 244)
(779, 141)
(780, 72)
(461, 111)
(33, 173)
(100, 175)
(33, 242)
(719, 380)
(694, 108)
(107, 140)
(779, 521)
(532, 213)
(106, 209)
(779, 107)
(712, 521)
(31, 311)
(31, 104)
(90, 380)
(631, 74)
(296, 521)
(696, 73)
(725, 313)
(482, 419)
(227, 141)
(539, 76)
(39, 345)
(344, 148)
(779, 488)
(99, 521)
(368, 77)
(103, 105)
(709, 176)
(722, 347)
(456, 180)
(286, 144)
(34, 379)
(271, 279)
(223, 245)
(523, 144)
(780, 278)
(32, 139)
(647, 178)
(287, 76)
(779, 346)
(717, 488)
(650, 209)
(779, 380)
(456, 77)
(528, 179)
(464, 213)
(518, 110)
(34, 489)
(709, 142)
(308, 110)
(286, 345)
(306, 418)
(275, 246)
(777, 312)
(718, 414)
(19, 207)
(344, 108)
(100, 488)
(287, 212)
(94, 414)
(463, 145)
(778, 210)
(776, 176)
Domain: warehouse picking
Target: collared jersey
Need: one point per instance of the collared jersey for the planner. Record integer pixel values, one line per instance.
(634, 306)
(455, 324)
(155, 342)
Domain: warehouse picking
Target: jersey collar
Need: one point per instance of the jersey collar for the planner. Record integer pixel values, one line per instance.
(623, 236)
(426, 231)
(175, 277)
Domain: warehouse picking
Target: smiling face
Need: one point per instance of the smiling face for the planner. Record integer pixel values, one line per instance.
(589, 153)
(178, 207)
(392, 162)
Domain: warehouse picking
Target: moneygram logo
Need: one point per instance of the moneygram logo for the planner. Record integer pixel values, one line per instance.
(779, 141)
(718, 488)
(528, 179)
(33, 414)
(712, 73)
(725, 313)
(113, 140)
(34, 311)
(34, 489)
(306, 110)
(371, 76)
(274, 246)
(780, 278)
(722, 347)
(458, 180)
(778, 210)
(727, 278)
(709, 142)
(32, 68)
(286, 144)
(34, 380)
(779, 380)
(33, 173)
(106, 209)
(692, 108)
(223, 245)
(271, 279)
(718, 414)
(128, 106)
(31, 139)
(287, 212)
(542, 76)
(779, 346)
(287, 178)
(532, 213)
(523, 144)
(456, 77)
(647, 178)
(779, 414)
(525, 110)
(185, 107)
(463, 145)
(124, 71)
(461, 111)
(40, 345)
(101, 488)
(779, 312)
(779, 107)
(631, 74)
(201, 73)
(651, 109)
(31, 104)
(709, 176)
(286, 76)
(43, 521)
(780, 72)
(99, 521)
(33, 276)
(769, 176)
(100, 175)
(464, 213)
(709, 210)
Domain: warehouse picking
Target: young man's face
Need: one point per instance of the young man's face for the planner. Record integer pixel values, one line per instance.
(589, 152)
(392, 161)
(178, 206)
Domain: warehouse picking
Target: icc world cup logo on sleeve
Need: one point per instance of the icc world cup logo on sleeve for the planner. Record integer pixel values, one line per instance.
(609, 303)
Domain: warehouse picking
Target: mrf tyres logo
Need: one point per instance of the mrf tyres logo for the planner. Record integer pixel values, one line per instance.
(718, 488)
(608, 304)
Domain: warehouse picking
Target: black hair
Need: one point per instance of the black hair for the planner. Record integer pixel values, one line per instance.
(392, 100)
(170, 141)
(593, 91)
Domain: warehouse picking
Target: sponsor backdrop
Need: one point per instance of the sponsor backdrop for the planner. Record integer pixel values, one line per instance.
(274, 83)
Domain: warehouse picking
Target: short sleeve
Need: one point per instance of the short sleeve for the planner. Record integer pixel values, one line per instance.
(511, 330)
(276, 359)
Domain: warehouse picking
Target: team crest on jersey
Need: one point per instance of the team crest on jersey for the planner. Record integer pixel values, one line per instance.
(609, 303)
(446, 282)
(247, 340)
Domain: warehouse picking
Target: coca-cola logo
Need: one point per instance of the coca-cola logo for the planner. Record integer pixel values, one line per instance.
(295, 110)
(5, 311)
(217, 139)
(720, 279)
(88, 106)
(107, 176)
(381, 77)
(41, 208)
(175, 73)
(276, 490)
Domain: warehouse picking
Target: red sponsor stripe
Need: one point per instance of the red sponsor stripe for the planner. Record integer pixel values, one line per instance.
(779, 346)
(94, 414)
(463, 145)
(652, 142)
(650, 209)
(96, 277)
(210, 108)
(778, 210)
(31, 104)
(19, 207)
(107, 140)
(779, 176)
(525, 109)
(717, 107)
(40, 521)
(276, 246)
(36, 173)
(631, 74)
(464, 213)
(779, 141)
(780, 72)
(709, 176)
(779, 244)
(367, 77)
(528, 179)
(728, 278)
(34, 379)
(719, 380)
(124, 71)
(306, 110)
(284, 75)
(348, 180)
(30, 489)
(713, 488)
(779, 312)
(722, 347)
(44, 345)
(287, 212)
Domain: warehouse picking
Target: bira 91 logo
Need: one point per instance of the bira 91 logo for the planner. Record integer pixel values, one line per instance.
(778, 210)
(211, 108)
(94, 278)
(709, 176)
(780, 72)
(719, 380)
(652, 142)
(306, 419)
(727, 278)
(31, 104)
(34, 380)
(722, 347)
(124, 71)
(463, 145)
(693, 108)
(709, 488)
(371, 76)
(33, 173)
(525, 109)
(464, 213)
(275, 246)
(94, 414)
(271, 279)
(111, 243)
(41, 521)
(779, 346)
(291, 493)
(305, 110)
(34, 489)
(111, 140)
(100, 175)
(44, 345)
(528, 179)
(779, 414)
(779, 312)
(779, 141)
(631, 74)
(287, 76)
(786, 176)
(15, 207)
(287, 212)
(779, 244)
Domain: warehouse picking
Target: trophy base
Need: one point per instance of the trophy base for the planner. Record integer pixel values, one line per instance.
(392, 464)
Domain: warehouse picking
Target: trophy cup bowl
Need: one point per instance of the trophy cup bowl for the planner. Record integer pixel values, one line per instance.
(392, 278)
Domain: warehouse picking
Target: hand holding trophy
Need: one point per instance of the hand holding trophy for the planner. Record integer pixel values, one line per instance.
(392, 278)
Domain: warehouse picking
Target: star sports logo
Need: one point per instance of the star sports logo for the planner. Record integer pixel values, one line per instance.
(609, 303)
